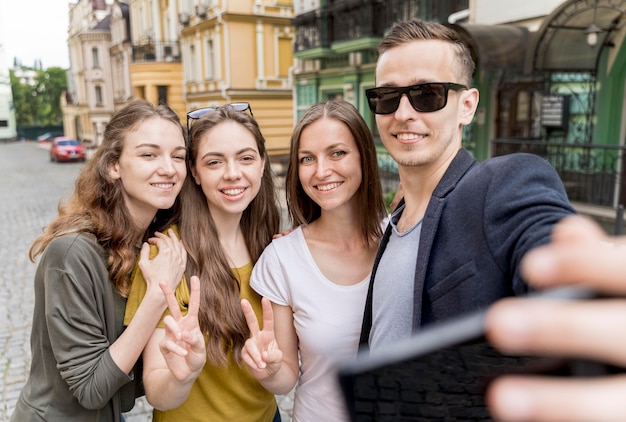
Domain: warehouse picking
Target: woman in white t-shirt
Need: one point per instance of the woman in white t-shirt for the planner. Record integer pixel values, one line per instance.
(317, 276)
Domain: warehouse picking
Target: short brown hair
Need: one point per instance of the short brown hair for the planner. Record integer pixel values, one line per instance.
(415, 30)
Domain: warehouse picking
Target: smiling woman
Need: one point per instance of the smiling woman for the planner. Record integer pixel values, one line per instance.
(229, 214)
(83, 359)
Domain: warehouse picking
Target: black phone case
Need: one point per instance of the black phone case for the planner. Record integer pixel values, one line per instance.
(441, 373)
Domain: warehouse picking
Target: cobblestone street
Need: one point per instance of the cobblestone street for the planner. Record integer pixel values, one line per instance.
(29, 194)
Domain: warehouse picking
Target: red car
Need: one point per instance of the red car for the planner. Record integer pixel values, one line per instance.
(66, 149)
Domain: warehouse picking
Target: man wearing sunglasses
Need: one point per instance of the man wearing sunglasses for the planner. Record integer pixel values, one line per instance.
(455, 241)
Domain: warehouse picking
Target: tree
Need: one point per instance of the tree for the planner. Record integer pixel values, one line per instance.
(39, 103)
(50, 85)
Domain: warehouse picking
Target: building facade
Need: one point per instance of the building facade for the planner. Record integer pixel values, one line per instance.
(155, 65)
(550, 75)
(188, 54)
(236, 51)
(89, 101)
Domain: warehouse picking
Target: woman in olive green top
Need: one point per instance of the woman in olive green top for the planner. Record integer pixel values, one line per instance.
(82, 358)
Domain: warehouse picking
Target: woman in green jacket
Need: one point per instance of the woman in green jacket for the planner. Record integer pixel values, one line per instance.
(82, 358)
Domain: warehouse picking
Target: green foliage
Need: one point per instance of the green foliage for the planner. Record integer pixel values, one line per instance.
(388, 199)
(39, 103)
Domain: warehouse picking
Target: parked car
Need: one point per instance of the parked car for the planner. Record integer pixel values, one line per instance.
(66, 149)
(48, 136)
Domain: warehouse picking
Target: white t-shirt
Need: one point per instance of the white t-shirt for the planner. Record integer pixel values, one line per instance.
(327, 318)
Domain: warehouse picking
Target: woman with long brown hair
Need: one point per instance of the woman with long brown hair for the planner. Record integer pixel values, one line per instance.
(316, 277)
(82, 357)
(229, 214)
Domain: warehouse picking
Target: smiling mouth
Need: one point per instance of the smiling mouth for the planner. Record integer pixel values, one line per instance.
(233, 192)
(163, 185)
(328, 186)
(409, 136)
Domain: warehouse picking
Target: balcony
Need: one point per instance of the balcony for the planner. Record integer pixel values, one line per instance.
(345, 26)
(312, 35)
(151, 51)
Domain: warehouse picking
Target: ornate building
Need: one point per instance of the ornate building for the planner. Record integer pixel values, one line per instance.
(188, 54)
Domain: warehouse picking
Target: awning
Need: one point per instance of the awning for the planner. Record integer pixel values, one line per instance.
(561, 45)
(495, 46)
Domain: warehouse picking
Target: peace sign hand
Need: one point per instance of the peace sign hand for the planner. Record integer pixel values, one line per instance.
(183, 346)
(260, 353)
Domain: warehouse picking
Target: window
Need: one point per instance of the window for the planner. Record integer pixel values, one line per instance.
(334, 96)
(192, 69)
(99, 101)
(210, 70)
(162, 93)
(95, 57)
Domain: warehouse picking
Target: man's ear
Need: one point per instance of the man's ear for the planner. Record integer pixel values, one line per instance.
(469, 104)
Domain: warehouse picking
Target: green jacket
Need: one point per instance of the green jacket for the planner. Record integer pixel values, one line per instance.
(77, 316)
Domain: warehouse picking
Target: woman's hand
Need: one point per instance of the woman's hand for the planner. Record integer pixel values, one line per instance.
(260, 352)
(183, 346)
(168, 265)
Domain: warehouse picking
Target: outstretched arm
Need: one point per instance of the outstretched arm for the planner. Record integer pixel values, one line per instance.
(579, 254)
(276, 368)
(176, 354)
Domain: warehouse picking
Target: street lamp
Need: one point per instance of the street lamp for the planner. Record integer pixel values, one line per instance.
(592, 32)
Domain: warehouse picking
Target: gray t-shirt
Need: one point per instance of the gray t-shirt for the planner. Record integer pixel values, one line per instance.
(392, 299)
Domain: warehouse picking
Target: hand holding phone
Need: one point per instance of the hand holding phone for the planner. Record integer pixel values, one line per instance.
(442, 373)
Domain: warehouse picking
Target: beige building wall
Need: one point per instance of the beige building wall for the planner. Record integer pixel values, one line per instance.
(242, 51)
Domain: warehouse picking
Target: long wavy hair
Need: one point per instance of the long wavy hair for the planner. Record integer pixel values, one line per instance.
(97, 205)
(220, 315)
(302, 209)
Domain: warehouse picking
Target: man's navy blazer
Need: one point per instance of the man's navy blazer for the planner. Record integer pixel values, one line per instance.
(481, 220)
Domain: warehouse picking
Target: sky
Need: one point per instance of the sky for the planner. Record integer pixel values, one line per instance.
(35, 29)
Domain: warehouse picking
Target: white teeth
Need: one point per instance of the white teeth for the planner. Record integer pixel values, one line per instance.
(163, 185)
(328, 186)
(407, 136)
(233, 192)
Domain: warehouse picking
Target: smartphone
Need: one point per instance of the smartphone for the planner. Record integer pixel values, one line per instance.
(441, 373)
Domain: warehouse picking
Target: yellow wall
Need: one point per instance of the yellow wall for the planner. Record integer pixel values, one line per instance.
(242, 53)
(275, 117)
(146, 77)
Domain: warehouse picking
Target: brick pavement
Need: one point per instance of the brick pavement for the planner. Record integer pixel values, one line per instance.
(29, 194)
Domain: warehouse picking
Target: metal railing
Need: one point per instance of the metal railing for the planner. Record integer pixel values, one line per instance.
(345, 20)
(151, 51)
(591, 174)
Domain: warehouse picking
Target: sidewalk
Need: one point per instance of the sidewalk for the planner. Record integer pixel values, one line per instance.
(142, 412)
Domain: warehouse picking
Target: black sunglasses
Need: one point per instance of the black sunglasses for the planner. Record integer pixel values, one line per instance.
(196, 114)
(425, 98)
